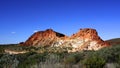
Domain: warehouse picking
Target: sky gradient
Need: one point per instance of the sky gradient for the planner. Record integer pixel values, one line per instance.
(19, 19)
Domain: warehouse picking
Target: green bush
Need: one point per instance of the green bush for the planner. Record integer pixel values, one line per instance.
(31, 59)
(73, 58)
(110, 54)
(94, 62)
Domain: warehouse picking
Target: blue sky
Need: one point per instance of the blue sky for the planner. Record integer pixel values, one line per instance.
(20, 18)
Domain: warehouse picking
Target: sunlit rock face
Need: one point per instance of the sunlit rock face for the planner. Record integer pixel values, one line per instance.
(84, 39)
(43, 38)
(90, 38)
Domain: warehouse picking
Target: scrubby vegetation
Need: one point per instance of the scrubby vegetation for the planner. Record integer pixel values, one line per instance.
(49, 57)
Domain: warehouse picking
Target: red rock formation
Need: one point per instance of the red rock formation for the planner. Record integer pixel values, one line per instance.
(86, 33)
(43, 38)
(85, 39)
(91, 34)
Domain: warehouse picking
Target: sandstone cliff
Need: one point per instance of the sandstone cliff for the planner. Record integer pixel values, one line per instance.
(43, 38)
(84, 39)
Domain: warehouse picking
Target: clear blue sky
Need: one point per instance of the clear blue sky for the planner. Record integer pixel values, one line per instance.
(20, 18)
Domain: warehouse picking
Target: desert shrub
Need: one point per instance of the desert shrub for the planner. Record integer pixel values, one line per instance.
(52, 58)
(8, 61)
(27, 63)
(93, 61)
(110, 54)
(24, 56)
(73, 58)
(69, 60)
(31, 59)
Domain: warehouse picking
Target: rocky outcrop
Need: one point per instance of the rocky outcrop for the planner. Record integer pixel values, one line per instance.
(84, 39)
(90, 38)
(43, 38)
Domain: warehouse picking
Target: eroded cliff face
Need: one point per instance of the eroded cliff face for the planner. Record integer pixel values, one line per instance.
(43, 38)
(90, 39)
(84, 39)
